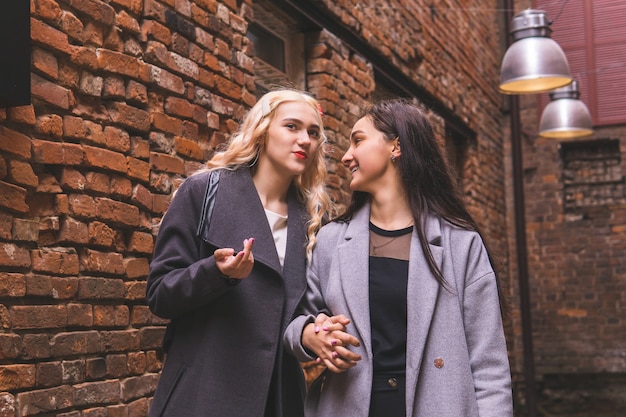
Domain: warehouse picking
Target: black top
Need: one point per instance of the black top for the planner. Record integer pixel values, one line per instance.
(388, 274)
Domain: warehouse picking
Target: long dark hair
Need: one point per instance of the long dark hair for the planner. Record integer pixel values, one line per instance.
(423, 170)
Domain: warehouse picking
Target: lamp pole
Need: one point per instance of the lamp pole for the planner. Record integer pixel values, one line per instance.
(520, 234)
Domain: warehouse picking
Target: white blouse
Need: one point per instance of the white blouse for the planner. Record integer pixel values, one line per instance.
(278, 225)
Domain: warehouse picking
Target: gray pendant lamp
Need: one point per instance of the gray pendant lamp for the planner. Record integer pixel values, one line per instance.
(565, 117)
(534, 63)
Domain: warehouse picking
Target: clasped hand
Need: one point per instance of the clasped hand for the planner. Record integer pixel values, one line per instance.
(235, 264)
(328, 339)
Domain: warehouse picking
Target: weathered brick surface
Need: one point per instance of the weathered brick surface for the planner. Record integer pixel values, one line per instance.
(130, 95)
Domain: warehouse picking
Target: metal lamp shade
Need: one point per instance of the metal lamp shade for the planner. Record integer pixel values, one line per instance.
(534, 63)
(565, 117)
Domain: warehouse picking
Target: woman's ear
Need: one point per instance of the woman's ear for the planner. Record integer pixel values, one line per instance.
(396, 152)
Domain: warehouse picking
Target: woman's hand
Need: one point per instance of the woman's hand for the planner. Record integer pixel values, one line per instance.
(235, 264)
(328, 339)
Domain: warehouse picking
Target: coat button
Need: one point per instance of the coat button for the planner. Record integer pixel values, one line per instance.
(439, 363)
(393, 382)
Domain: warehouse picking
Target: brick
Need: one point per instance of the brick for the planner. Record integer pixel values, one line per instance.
(95, 368)
(82, 205)
(57, 261)
(73, 180)
(22, 114)
(47, 152)
(100, 289)
(160, 203)
(151, 337)
(142, 197)
(166, 163)
(10, 347)
(178, 107)
(38, 285)
(12, 255)
(116, 366)
(91, 85)
(136, 291)
(74, 28)
(137, 387)
(167, 123)
(49, 374)
(127, 22)
(121, 187)
(73, 231)
(98, 10)
(16, 377)
(105, 159)
(113, 87)
(79, 315)
(48, 184)
(6, 226)
(101, 235)
(228, 88)
(12, 285)
(137, 93)
(136, 267)
(36, 346)
(134, 6)
(166, 80)
(7, 405)
(130, 117)
(111, 316)
(5, 319)
(74, 370)
(117, 212)
(120, 341)
(139, 148)
(14, 142)
(50, 93)
(101, 262)
(43, 34)
(141, 242)
(74, 343)
(25, 230)
(45, 400)
(98, 182)
(38, 317)
(21, 173)
(117, 63)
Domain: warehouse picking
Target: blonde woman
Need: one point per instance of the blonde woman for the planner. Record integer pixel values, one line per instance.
(229, 266)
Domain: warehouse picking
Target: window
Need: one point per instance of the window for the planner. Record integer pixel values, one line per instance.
(279, 47)
(592, 174)
(592, 35)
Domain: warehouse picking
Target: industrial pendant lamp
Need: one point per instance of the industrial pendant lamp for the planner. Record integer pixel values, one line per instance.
(534, 63)
(565, 117)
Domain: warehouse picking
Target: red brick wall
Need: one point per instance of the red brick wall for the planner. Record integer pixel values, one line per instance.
(130, 95)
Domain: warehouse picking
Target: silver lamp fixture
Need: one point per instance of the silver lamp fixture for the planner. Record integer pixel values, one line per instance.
(534, 63)
(565, 117)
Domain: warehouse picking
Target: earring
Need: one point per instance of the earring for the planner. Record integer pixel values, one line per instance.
(393, 158)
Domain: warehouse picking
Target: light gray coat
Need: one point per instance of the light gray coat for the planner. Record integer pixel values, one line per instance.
(462, 327)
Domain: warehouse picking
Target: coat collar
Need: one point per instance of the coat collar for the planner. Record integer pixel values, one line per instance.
(239, 214)
(422, 288)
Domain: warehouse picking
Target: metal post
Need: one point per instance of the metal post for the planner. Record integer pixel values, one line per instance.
(520, 234)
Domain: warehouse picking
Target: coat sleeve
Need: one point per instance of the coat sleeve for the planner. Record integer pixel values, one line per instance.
(313, 301)
(181, 278)
(484, 334)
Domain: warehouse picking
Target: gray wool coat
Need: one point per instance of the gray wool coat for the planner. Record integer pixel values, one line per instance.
(224, 344)
(461, 329)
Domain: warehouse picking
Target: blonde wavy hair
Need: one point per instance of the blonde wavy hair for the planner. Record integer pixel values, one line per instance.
(244, 148)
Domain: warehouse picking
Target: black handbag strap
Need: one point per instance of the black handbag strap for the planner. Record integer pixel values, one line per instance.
(208, 204)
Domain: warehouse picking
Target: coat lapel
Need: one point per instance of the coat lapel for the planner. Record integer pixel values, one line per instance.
(238, 214)
(422, 294)
(353, 258)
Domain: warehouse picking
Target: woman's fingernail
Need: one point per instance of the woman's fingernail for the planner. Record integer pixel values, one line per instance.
(335, 354)
(334, 342)
(325, 328)
(318, 360)
(251, 240)
(316, 329)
